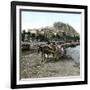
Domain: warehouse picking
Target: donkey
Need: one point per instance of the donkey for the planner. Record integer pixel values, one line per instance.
(56, 51)
(45, 50)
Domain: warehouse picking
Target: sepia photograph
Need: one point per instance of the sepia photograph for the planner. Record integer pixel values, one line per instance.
(49, 44)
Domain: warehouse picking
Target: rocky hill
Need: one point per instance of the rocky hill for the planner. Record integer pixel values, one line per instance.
(62, 27)
(58, 32)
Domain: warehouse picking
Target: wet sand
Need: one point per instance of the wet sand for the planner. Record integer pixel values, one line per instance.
(32, 67)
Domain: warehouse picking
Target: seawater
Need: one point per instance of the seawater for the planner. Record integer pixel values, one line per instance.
(74, 53)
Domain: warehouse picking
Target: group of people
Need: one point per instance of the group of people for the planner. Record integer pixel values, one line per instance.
(57, 48)
(51, 48)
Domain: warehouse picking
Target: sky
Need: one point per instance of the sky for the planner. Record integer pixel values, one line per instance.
(35, 19)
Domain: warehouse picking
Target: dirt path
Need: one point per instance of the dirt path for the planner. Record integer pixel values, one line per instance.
(32, 67)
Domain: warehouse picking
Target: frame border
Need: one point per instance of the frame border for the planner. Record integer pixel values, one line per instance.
(13, 44)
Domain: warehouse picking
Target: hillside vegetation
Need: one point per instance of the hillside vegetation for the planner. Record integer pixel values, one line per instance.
(57, 32)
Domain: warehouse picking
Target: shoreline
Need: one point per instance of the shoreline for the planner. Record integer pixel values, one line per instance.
(32, 67)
